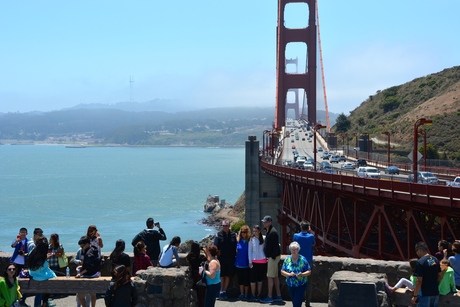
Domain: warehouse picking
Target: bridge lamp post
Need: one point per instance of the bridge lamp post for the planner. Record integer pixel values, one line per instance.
(388, 147)
(316, 128)
(368, 144)
(419, 122)
(420, 131)
(343, 135)
(356, 143)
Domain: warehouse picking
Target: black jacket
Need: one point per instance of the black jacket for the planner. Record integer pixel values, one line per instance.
(151, 238)
(272, 243)
(125, 296)
(91, 260)
(226, 243)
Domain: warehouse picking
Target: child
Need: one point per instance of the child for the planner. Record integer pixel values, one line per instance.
(410, 284)
(447, 283)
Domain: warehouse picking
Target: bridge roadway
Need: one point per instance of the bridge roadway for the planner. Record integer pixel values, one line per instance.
(360, 217)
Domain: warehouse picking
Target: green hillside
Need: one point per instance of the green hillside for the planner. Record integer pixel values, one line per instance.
(396, 109)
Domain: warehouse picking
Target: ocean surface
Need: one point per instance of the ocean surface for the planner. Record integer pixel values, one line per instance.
(64, 190)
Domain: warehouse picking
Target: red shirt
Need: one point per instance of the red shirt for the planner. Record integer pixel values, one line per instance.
(141, 262)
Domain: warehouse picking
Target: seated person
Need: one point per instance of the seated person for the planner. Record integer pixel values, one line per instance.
(169, 256)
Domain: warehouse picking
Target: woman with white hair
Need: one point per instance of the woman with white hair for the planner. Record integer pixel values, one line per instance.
(296, 269)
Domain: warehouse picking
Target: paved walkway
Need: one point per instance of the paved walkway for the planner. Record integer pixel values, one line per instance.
(69, 301)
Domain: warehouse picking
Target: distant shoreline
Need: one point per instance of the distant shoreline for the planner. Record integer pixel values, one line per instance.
(25, 143)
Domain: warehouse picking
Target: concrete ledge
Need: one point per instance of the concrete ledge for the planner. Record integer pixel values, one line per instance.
(357, 278)
(402, 297)
(63, 285)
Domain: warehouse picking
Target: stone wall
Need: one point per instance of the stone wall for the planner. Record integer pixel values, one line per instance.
(323, 269)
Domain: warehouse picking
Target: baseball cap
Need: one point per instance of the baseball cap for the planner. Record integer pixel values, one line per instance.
(267, 218)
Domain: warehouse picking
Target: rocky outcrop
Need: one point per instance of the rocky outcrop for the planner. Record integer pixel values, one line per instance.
(219, 210)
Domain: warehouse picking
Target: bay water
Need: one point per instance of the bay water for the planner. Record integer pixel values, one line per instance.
(64, 190)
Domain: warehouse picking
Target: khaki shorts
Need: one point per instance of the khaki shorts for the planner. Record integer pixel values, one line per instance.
(272, 267)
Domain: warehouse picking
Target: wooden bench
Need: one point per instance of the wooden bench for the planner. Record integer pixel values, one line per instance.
(402, 297)
(63, 285)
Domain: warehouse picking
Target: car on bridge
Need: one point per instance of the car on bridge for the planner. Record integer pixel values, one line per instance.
(392, 170)
(320, 149)
(454, 183)
(342, 159)
(348, 165)
(329, 171)
(424, 177)
(334, 159)
(368, 172)
(361, 162)
(324, 165)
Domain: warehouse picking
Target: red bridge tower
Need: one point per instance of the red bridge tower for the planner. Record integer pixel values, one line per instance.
(286, 81)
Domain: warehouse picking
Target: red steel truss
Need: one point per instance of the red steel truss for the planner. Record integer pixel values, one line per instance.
(366, 218)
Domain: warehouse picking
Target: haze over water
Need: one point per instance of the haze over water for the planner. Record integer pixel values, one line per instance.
(64, 190)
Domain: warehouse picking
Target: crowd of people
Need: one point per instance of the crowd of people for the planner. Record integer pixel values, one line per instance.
(250, 255)
(432, 275)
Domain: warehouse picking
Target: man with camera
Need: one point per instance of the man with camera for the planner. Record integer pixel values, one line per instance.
(151, 238)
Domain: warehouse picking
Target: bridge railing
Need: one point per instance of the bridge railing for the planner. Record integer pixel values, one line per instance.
(416, 193)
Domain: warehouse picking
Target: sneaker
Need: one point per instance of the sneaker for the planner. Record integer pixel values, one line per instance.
(50, 303)
(277, 298)
(252, 298)
(223, 296)
(241, 297)
(266, 300)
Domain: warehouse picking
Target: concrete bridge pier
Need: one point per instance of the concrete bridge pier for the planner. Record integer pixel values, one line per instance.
(262, 192)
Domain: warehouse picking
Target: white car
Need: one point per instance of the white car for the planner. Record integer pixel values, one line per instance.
(334, 159)
(348, 165)
(368, 172)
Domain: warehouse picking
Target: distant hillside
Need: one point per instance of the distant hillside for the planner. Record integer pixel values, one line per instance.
(155, 105)
(113, 124)
(435, 97)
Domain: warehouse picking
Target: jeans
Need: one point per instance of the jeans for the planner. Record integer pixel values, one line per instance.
(297, 295)
(212, 291)
(428, 301)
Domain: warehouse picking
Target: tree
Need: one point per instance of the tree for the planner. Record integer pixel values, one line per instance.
(431, 152)
(342, 123)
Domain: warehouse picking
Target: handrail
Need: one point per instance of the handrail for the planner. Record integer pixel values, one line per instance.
(415, 193)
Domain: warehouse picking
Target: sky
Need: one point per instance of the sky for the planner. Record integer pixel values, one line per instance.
(58, 54)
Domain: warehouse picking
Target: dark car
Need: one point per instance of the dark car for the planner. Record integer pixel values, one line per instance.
(392, 170)
(361, 162)
(324, 165)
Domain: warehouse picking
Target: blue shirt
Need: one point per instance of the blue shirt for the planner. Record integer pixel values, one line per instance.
(215, 280)
(242, 252)
(306, 241)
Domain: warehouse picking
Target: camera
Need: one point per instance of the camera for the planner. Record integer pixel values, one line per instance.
(157, 224)
(205, 264)
(21, 252)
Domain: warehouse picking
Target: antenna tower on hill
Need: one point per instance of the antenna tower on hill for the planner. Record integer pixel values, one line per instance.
(131, 81)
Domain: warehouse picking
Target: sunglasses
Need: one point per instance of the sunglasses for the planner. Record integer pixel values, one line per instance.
(11, 269)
